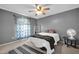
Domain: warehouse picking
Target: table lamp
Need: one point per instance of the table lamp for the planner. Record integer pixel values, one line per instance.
(71, 33)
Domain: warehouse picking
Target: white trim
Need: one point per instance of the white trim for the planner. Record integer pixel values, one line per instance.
(10, 42)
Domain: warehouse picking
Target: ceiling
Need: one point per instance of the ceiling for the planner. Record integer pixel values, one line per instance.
(24, 8)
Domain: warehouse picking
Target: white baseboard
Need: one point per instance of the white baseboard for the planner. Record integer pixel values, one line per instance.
(10, 42)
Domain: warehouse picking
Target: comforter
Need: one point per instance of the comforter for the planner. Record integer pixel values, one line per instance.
(40, 41)
(47, 38)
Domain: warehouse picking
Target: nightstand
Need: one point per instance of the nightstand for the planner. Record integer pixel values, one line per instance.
(70, 42)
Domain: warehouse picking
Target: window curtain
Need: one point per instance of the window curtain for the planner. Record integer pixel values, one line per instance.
(23, 28)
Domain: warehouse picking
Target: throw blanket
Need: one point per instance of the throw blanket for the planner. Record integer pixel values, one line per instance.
(25, 49)
(47, 38)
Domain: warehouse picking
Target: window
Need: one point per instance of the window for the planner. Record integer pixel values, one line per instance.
(23, 28)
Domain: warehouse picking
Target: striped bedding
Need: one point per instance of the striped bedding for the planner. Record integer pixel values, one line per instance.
(25, 49)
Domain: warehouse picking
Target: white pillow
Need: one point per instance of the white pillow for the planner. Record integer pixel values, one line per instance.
(42, 33)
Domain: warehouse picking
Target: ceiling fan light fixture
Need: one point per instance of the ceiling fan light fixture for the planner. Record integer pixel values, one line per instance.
(40, 10)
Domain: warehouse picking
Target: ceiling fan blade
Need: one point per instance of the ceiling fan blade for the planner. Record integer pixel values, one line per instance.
(36, 5)
(44, 13)
(30, 11)
(35, 14)
(47, 9)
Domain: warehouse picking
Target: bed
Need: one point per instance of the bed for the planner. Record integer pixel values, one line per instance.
(47, 40)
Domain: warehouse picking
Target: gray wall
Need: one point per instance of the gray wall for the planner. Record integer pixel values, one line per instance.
(61, 22)
(8, 26)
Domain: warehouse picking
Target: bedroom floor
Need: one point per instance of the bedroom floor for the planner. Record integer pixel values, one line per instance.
(63, 49)
(59, 49)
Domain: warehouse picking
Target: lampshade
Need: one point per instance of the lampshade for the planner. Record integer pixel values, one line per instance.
(71, 32)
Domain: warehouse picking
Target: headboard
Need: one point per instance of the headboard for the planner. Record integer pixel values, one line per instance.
(51, 31)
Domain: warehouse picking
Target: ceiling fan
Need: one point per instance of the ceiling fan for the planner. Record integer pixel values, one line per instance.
(39, 9)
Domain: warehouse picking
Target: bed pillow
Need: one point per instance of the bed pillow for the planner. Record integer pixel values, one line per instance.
(42, 33)
(51, 31)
